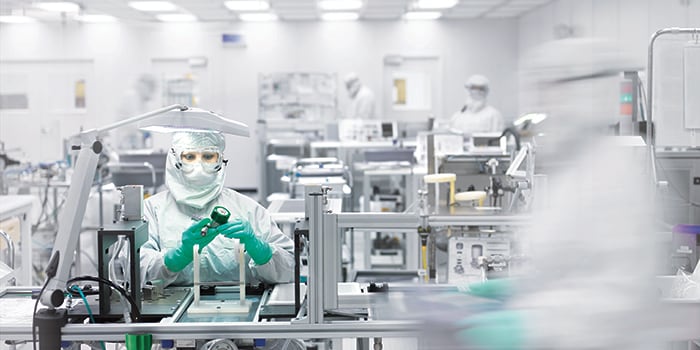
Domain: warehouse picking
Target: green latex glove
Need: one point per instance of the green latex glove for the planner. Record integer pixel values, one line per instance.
(494, 330)
(177, 258)
(499, 289)
(258, 250)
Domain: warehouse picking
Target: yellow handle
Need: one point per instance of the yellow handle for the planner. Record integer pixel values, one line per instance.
(424, 258)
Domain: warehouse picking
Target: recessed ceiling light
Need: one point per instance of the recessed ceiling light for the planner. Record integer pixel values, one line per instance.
(258, 17)
(153, 6)
(422, 15)
(17, 19)
(336, 5)
(436, 4)
(340, 16)
(176, 17)
(59, 6)
(247, 5)
(95, 18)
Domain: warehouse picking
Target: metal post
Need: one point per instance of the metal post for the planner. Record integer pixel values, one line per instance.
(432, 190)
(314, 200)
(331, 261)
(297, 271)
(362, 344)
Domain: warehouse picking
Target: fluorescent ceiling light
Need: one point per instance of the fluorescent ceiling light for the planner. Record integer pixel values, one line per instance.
(17, 19)
(153, 6)
(62, 6)
(436, 4)
(336, 5)
(258, 17)
(176, 17)
(94, 18)
(340, 16)
(422, 15)
(247, 5)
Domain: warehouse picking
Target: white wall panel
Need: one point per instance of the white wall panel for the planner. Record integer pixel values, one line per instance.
(122, 51)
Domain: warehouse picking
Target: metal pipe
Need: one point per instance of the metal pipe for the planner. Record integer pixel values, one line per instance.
(10, 249)
(315, 279)
(650, 90)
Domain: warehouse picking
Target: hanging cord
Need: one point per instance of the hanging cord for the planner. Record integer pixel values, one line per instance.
(114, 263)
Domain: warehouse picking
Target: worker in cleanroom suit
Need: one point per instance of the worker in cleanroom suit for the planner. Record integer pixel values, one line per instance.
(476, 115)
(195, 172)
(362, 100)
(136, 100)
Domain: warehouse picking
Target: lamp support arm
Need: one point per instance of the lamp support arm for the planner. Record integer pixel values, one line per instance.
(71, 219)
(134, 119)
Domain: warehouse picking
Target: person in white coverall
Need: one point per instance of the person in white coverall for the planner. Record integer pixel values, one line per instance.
(362, 101)
(136, 100)
(477, 116)
(195, 172)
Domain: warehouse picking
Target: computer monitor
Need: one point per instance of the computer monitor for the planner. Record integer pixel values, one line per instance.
(490, 143)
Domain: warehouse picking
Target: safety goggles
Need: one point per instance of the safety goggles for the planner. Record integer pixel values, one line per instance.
(478, 88)
(210, 159)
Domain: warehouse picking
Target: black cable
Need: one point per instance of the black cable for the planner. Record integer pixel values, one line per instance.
(135, 313)
(36, 304)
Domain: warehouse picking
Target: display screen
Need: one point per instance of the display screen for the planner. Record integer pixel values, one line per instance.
(387, 130)
(486, 141)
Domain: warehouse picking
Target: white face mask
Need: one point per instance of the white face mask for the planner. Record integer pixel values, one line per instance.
(199, 176)
(476, 100)
(477, 95)
(195, 183)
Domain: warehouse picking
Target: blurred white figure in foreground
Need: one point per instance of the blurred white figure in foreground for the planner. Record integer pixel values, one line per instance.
(362, 105)
(136, 100)
(592, 247)
(477, 115)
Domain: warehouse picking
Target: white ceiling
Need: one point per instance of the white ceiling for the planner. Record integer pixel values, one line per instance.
(214, 10)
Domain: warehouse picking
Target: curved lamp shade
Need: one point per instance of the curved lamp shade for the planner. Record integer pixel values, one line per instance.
(193, 119)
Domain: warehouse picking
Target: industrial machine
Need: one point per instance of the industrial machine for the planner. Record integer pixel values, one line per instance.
(295, 108)
(327, 171)
(477, 259)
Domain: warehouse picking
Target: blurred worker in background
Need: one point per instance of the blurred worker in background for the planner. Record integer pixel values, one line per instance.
(362, 105)
(195, 172)
(136, 100)
(476, 115)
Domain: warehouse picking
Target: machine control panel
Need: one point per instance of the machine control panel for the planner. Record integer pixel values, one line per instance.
(474, 259)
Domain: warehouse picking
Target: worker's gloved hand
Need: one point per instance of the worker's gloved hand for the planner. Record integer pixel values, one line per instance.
(498, 289)
(258, 250)
(494, 330)
(177, 258)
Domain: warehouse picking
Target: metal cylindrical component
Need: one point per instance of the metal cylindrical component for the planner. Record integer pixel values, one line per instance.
(138, 341)
(10, 249)
(219, 216)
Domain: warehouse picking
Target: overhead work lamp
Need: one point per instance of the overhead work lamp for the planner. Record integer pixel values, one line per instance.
(167, 119)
